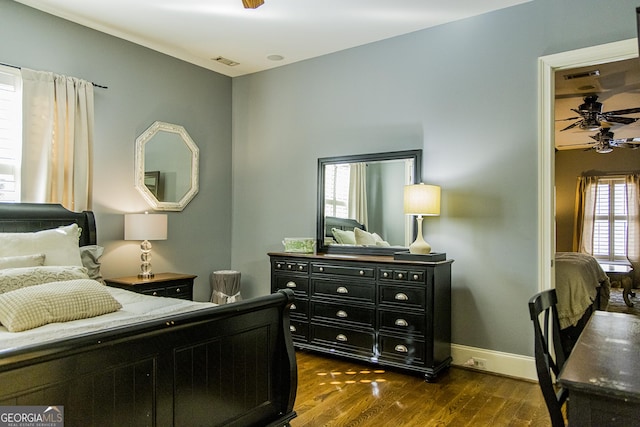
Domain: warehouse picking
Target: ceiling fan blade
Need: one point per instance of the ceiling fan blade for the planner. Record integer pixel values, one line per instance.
(623, 120)
(570, 118)
(622, 112)
(571, 126)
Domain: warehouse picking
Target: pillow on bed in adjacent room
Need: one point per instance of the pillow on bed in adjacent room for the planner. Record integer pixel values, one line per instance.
(343, 237)
(34, 306)
(15, 278)
(60, 245)
(18, 261)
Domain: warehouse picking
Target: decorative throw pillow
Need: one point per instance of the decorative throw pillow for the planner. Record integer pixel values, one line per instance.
(28, 308)
(344, 237)
(90, 256)
(15, 278)
(60, 245)
(379, 240)
(364, 238)
(21, 261)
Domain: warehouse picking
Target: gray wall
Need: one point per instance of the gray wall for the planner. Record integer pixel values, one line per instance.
(572, 163)
(466, 93)
(144, 86)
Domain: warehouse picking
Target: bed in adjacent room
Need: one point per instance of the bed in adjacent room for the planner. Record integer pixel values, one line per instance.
(111, 356)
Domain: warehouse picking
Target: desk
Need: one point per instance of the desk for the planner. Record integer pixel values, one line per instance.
(602, 373)
(621, 273)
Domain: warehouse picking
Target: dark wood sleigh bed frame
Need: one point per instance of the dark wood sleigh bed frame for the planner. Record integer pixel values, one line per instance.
(228, 365)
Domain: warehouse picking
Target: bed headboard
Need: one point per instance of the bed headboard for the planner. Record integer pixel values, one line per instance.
(28, 217)
(341, 224)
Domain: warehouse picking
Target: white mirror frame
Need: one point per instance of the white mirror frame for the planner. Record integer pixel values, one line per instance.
(141, 141)
(547, 66)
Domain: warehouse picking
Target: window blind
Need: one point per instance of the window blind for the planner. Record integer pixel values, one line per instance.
(10, 133)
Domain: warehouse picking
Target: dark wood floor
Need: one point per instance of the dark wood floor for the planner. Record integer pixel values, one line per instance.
(336, 392)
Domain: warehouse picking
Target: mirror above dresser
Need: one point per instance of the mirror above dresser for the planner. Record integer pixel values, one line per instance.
(360, 202)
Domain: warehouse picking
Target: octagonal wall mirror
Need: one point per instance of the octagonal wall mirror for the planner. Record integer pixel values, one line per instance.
(166, 166)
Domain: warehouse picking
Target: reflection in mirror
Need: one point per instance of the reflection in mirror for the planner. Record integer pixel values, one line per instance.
(166, 166)
(360, 202)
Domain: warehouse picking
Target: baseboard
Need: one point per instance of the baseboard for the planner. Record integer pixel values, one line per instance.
(513, 365)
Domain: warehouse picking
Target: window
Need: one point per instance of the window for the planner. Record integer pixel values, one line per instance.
(336, 190)
(610, 221)
(10, 133)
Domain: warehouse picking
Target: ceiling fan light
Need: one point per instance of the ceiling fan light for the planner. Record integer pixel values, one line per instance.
(252, 4)
(604, 150)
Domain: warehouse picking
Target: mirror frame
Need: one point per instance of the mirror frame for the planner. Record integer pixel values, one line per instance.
(141, 141)
(416, 155)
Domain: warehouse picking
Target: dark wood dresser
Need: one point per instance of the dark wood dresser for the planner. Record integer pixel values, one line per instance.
(174, 285)
(371, 308)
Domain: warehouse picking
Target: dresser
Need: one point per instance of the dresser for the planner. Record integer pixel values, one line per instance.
(376, 309)
(172, 285)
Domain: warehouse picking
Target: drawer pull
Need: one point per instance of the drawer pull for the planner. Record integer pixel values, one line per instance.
(385, 274)
(342, 290)
(341, 338)
(416, 277)
(292, 328)
(342, 313)
(401, 297)
(155, 294)
(400, 276)
(401, 348)
(278, 265)
(321, 269)
(293, 307)
(291, 284)
(289, 266)
(401, 322)
(178, 291)
(361, 272)
(301, 267)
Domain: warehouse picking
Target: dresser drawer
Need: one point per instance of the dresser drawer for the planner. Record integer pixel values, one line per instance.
(342, 337)
(364, 292)
(288, 265)
(299, 309)
(299, 330)
(403, 296)
(298, 284)
(407, 350)
(182, 291)
(413, 276)
(342, 270)
(343, 313)
(399, 321)
(156, 292)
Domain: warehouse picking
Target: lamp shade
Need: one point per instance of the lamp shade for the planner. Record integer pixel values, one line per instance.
(145, 226)
(422, 199)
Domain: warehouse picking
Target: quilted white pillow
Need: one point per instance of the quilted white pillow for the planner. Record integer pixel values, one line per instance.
(28, 308)
(21, 261)
(15, 278)
(60, 245)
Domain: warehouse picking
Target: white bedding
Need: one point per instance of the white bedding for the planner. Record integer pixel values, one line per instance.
(135, 308)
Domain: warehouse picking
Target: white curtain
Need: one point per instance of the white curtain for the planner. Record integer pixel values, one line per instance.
(58, 121)
(633, 225)
(586, 193)
(358, 193)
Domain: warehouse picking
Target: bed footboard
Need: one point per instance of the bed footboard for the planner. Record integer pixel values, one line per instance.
(228, 365)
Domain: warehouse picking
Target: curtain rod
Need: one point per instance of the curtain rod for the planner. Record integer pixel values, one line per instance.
(610, 173)
(19, 68)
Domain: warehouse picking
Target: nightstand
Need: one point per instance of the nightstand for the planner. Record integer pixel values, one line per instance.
(172, 285)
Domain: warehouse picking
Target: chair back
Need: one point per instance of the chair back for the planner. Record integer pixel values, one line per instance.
(549, 353)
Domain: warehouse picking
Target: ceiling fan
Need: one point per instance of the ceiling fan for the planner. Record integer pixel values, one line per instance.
(252, 4)
(591, 116)
(605, 142)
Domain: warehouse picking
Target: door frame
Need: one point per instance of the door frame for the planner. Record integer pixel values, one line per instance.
(547, 66)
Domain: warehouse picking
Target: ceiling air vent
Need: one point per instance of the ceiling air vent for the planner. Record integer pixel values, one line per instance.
(592, 73)
(226, 61)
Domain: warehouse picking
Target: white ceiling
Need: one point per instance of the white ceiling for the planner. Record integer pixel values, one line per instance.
(198, 30)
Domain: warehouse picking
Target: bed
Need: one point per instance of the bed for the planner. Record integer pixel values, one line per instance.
(179, 363)
(582, 286)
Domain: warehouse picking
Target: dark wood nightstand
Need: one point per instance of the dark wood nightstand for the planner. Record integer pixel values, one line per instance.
(172, 285)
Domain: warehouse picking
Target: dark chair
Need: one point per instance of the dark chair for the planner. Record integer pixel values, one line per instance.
(549, 352)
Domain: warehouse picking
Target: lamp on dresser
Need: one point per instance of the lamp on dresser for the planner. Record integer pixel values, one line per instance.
(145, 227)
(421, 200)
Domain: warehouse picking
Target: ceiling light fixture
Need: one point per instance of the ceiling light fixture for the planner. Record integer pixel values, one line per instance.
(252, 4)
(275, 57)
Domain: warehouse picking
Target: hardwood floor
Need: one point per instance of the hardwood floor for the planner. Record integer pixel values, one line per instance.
(337, 392)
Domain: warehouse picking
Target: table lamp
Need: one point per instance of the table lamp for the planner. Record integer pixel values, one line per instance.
(145, 227)
(421, 200)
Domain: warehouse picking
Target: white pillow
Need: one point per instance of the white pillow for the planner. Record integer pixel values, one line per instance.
(15, 278)
(364, 238)
(21, 261)
(28, 308)
(344, 237)
(60, 245)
